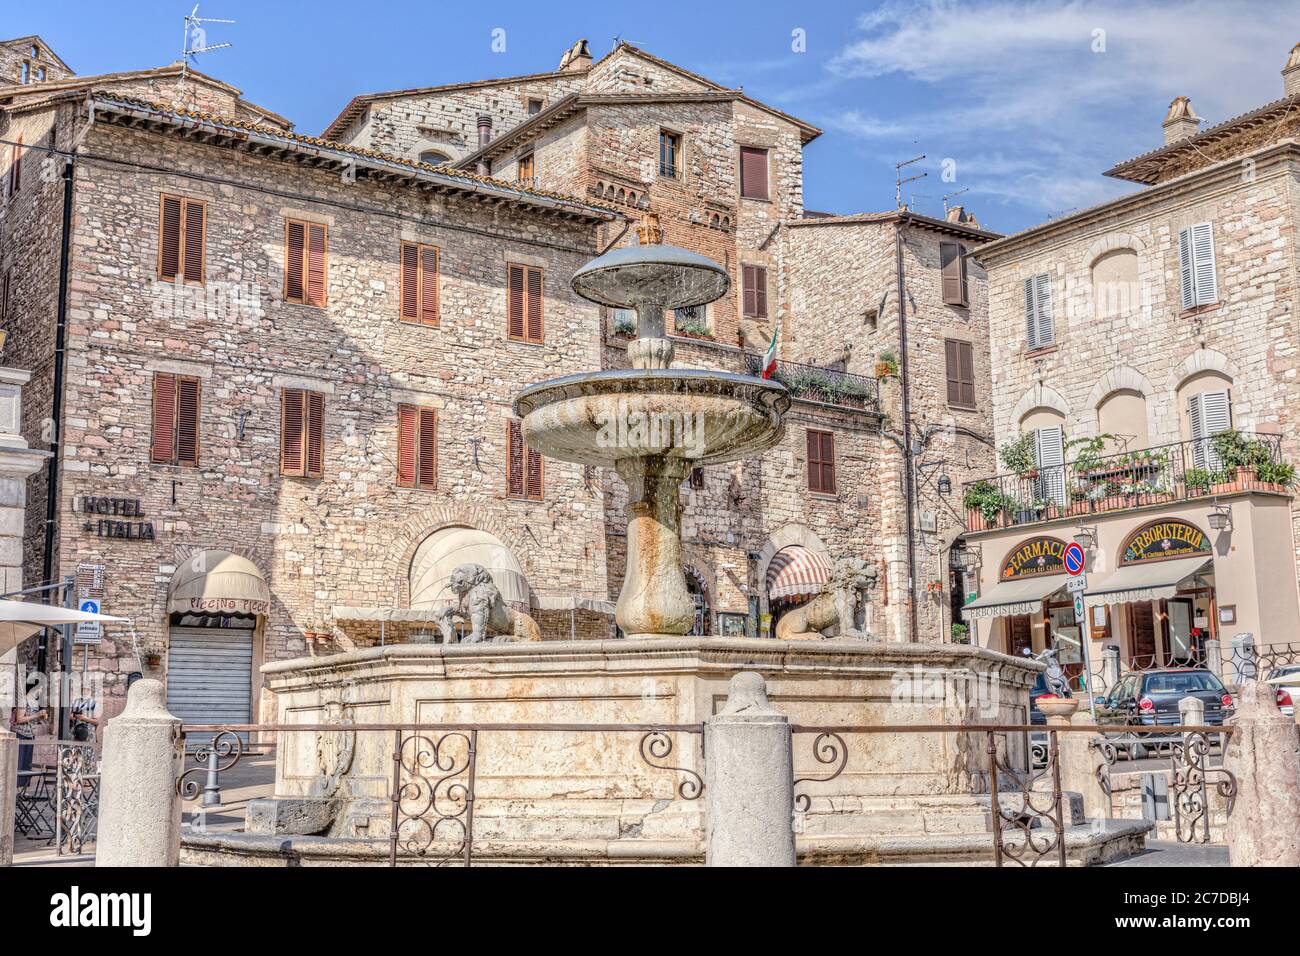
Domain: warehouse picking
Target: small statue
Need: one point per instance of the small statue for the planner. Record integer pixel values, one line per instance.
(1057, 682)
(479, 603)
(842, 606)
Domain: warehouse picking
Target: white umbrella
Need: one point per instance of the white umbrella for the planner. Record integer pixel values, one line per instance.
(19, 620)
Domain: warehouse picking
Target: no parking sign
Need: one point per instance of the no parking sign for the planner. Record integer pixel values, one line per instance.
(1074, 559)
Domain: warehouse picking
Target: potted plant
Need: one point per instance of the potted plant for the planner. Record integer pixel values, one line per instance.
(152, 659)
(886, 365)
(1018, 456)
(1196, 482)
(1275, 475)
(692, 329)
(960, 634)
(624, 326)
(985, 505)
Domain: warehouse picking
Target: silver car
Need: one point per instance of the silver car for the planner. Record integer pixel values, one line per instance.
(1287, 681)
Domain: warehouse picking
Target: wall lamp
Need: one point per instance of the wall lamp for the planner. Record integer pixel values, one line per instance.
(1086, 537)
(1221, 517)
(945, 484)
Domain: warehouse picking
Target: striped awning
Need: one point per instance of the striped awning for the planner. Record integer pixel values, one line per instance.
(795, 570)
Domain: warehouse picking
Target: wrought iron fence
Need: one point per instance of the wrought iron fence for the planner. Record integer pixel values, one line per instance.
(1151, 476)
(819, 384)
(76, 813)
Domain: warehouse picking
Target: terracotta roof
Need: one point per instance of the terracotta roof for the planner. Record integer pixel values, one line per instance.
(44, 44)
(446, 176)
(1146, 167)
(903, 215)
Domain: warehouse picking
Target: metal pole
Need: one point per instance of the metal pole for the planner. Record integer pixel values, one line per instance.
(65, 664)
(212, 786)
(904, 386)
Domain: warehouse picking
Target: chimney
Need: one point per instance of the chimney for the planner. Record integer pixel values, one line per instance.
(1181, 121)
(1291, 73)
(484, 137)
(576, 57)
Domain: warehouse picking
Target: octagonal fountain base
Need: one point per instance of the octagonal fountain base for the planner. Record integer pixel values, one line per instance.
(589, 797)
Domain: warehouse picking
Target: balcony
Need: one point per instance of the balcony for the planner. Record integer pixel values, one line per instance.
(814, 383)
(1226, 463)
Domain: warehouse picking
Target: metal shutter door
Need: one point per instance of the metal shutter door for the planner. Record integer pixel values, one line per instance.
(210, 677)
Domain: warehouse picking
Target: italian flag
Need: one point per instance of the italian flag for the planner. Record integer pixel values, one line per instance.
(769, 360)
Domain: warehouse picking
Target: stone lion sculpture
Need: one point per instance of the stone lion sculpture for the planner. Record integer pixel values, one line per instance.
(479, 603)
(842, 606)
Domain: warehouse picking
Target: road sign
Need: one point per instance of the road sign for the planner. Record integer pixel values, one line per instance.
(1077, 585)
(1074, 558)
(1078, 609)
(89, 632)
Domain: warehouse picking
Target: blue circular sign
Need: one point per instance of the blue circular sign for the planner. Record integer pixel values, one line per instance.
(90, 607)
(1074, 559)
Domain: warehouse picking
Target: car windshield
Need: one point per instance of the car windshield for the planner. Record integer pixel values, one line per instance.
(1181, 682)
(1291, 671)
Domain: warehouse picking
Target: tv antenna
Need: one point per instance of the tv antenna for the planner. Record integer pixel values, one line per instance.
(947, 196)
(900, 182)
(194, 42)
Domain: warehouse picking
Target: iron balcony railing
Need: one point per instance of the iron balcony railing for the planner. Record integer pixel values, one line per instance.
(1165, 473)
(818, 384)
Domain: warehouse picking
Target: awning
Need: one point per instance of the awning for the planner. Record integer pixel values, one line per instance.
(19, 620)
(572, 602)
(796, 570)
(1018, 596)
(218, 582)
(1145, 581)
(447, 549)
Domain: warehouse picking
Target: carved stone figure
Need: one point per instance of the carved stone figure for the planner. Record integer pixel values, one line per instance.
(842, 606)
(479, 603)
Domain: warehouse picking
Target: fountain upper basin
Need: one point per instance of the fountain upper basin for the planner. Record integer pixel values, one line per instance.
(705, 416)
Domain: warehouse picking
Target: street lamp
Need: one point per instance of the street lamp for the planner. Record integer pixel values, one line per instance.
(945, 485)
(971, 559)
(1221, 517)
(1086, 537)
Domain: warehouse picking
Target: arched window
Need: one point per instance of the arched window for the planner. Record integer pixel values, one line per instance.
(1204, 410)
(434, 158)
(1115, 288)
(1047, 425)
(1123, 415)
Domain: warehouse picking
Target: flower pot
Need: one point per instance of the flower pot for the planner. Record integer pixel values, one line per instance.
(974, 520)
(153, 660)
(884, 370)
(1245, 478)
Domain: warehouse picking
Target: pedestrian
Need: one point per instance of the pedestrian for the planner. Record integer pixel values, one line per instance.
(84, 719)
(23, 721)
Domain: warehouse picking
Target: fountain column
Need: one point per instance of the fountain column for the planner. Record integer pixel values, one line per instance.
(654, 598)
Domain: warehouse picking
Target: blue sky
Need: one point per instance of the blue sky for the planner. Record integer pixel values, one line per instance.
(1027, 101)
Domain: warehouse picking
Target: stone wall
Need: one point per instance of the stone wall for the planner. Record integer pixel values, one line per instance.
(14, 54)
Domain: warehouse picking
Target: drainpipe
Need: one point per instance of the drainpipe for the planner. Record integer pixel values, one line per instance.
(484, 137)
(909, 492)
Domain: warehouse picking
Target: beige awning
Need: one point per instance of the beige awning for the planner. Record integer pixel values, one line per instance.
(1145, 581)
(1018, 596)
(218, 582)
(447, 549)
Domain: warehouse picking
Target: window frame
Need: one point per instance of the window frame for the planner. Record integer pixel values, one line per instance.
(417, 483)
(678, 173)
(182, 239)
(530, 155)
(759, 288)
(421, 248)
(305, 396)
(1191, 263)
(305, 298)
(949, 377)
(1032, 343)
(175, 456)
(526, 338)
(767, 171)
(821, 463)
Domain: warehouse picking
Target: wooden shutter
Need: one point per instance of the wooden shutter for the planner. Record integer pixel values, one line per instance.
(187, 421)
(1049, 452)
(1186, 270)
(169, 237)
(16, 166)
(164, 418)
(292, 452)
(315, 435)
(316, 264)
(753, 173)
(534, 317)
(1197, 281)
(410, 294)
(515, 301)
(1039, 327)
(295, 243)
(427, 476)
(821, 461)
(1208, 413)
(1031, 316)
(193, 240)
(754, 299)
(419, 293)
(534, 462)
(959, 367)
(952, 269)
(951, 362)
(408, 441)
(515, 467)
(429, 305)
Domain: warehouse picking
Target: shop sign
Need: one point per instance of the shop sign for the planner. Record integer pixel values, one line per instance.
(118, 518)
(216, 605)
(1165, 539)
(1042, 555)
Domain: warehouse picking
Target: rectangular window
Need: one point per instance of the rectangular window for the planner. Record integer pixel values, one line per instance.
(697, 478)
(419, 293)
(1039, 330)
(16, 165)
(821, 461)
(417, 447)
(302, 433)
(523, 465)
(306, 251)
(959, 360)
(535, 106)
(1196, 266)
(670, 148)
(753, 173)
(524, 303)
(952, 270)
(182, 225)
(4, 296)
(527, 169)
(754, 291)
(175, 419)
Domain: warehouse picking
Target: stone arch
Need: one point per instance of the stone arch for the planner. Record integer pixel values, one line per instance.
(1123, 377)
(1202, 360)
(434, 146)
(1040, 396)
(412, 532)
(784, 537)
(1111, 242)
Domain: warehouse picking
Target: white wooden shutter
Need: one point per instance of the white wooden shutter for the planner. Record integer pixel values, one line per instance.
(1208, 414)
(1049, 450)
(1043, 301)
(1186, 270)
(1198, 283)
(1031, 317)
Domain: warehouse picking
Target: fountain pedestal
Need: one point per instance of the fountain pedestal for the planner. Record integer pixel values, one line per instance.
(654, 599)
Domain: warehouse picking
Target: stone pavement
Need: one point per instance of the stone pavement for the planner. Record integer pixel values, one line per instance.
(1164, 853)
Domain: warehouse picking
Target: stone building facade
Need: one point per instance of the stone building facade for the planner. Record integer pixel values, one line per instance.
(226, 547)
(1124, 338)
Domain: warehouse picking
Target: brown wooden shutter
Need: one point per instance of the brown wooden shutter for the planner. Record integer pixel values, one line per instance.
(410, 281)
(754, 282)
(169, 237)
(428, 285)
(16, 166)
(315, 435)
(515, 302)
(515, 478)
(952, 269)
(292, 453)
(195, 214)
(951, 363)
(966, 373)
(534, 473)
(753, 172)
(187, 421)
(316, 264)
(295, 241)
(428, 458)
(747, 290)
(821, 461)
(408, 423)
(164, 418)
(534, 328)
(828, 462)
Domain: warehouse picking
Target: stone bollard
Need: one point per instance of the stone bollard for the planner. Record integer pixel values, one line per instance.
(1214, 658)
(1078, 761)
(1191, 713)
(8, 794)
(1263, 753)
(140, 811)
(749, 780)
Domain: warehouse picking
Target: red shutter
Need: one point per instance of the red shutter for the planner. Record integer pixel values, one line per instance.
(294, 244)
(187, 421)
(316, 263)
(408, 419)
(828, 462)
(821, 461)
(534, 474)
(753, 172)
(291, 427)
(428, 285)
(410, 281)
(760, 291)
(514, 460)
(952, 363)
(814, 466)
(428, 477)
(315, 434)
(169, 238)
(534, 304)
(195, 213)
(515, 302)
(952, 269)
(164, 418)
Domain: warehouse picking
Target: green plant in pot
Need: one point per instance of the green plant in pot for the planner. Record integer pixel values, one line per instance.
(1018, 456)
(1197, 480)
(960, 633)
(984, 497)
(886, 365)
(1276, 473)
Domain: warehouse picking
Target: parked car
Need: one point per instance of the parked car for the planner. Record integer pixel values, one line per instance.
(1036, 716)
(1149, 699)
(1286, 679)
